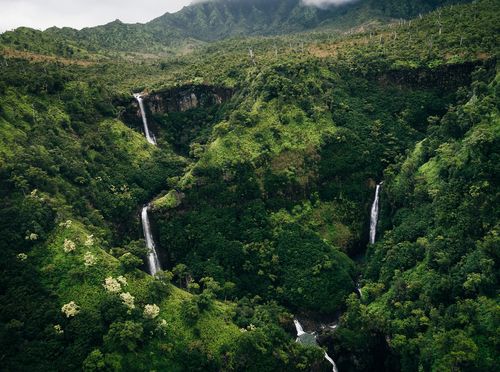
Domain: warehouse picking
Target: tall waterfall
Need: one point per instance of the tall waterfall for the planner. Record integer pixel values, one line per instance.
(153, 261)
(149, 136)
(298, 327)
(374, 215)
(310, 338)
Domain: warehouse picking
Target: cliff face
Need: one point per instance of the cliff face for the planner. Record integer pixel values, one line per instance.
(179, 99)
(185, 98)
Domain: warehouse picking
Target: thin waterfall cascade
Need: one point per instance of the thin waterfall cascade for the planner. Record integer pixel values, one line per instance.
(374, 214)
(149, 136)
(153, 261)
(310, 339)
(358, 289)
(334, 366)
(298, 327)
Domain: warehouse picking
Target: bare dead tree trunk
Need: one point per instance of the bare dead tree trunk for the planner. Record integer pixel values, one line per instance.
(252, 56)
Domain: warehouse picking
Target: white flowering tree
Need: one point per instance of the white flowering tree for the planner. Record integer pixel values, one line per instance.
(66, 224)
(128, 300)
(31, 236)
(22, 256)
(151, 311)
(69, 245)
(89, 241)
(89, 259)
(112, 285)
(58, 329)
(122, 280)
(70, 309)
(162, 326)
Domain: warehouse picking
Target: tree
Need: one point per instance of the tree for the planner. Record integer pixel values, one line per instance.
(182, 274)
(124, 336)
(94, 361)
(130, 262)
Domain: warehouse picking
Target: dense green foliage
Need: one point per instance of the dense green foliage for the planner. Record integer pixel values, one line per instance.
(430, 282)
(297, 165)
(69, 159)
(260, 190)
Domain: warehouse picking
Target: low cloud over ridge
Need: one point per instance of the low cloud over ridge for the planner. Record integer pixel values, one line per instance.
(318, 3)
(324, 3)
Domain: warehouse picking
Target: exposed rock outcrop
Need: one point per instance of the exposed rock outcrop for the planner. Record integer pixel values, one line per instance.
(179, 99)
(185, 98)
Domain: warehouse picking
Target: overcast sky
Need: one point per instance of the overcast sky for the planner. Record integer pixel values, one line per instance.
(42, 14)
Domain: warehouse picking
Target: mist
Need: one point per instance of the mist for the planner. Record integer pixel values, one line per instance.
(325, 3)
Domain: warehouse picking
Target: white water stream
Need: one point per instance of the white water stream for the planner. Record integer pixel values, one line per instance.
(149, 136)
(153, 261)
(374, 214)
(358, 289)
(298, 327)
(304, 337)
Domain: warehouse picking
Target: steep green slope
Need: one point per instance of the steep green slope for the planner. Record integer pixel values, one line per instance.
(431, 281)
(218, 19)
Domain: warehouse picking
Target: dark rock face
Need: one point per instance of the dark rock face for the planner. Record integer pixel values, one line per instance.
(444, 77)
(177, 99)
(185, 98)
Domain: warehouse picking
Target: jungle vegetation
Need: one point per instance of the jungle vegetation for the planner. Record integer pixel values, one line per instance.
(260, 190)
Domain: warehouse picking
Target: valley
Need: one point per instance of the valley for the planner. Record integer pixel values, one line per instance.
(194, 192)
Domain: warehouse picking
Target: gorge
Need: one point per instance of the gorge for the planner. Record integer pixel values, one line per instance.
(169, 203)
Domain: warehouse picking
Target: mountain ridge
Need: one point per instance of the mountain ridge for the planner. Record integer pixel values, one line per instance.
(220, 19)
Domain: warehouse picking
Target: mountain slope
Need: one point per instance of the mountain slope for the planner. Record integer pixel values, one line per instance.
(219, 19)
(260, 201)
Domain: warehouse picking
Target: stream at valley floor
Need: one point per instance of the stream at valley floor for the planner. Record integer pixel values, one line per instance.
(307, 338)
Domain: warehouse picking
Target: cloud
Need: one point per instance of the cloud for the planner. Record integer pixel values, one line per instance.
(326, 3)
(318, 3)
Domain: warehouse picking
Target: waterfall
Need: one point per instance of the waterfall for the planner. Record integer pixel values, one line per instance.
(374, 215)
(153, 261)
(310, 338)
(298, 327)
(358, 289)
(149, 136)
(334, 366)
